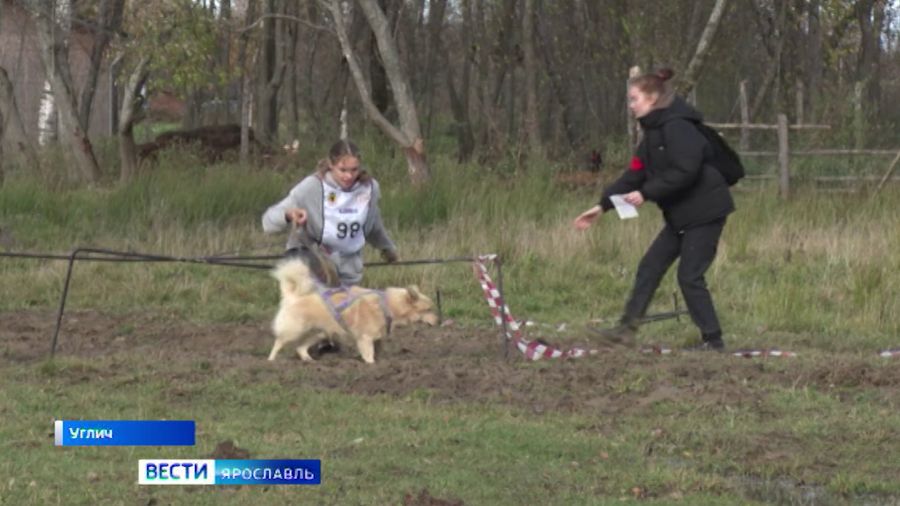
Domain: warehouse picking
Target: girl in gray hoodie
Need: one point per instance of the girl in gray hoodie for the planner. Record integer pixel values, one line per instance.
(337, 208)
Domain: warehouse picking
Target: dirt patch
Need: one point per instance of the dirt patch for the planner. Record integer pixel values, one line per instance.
(447, 364)
(424, 498)
(228, 451)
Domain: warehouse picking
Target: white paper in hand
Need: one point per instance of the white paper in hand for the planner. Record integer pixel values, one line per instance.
(624, 209)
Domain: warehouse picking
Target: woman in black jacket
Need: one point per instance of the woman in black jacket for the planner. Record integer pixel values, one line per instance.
(670, 168)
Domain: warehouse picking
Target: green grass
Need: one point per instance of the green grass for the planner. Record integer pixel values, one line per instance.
(816, 273)
(375, 449)
(819, 265)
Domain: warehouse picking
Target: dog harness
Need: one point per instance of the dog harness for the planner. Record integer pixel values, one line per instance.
(337, 309)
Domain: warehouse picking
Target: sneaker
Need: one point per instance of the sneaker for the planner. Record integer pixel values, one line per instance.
(717, 345)
(622, 334)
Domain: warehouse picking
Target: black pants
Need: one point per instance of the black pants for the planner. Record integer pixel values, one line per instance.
(697, 248)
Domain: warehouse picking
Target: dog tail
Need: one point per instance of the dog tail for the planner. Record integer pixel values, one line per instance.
(293, 278)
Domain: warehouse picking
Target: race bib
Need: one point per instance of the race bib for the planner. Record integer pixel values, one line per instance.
(345, 214)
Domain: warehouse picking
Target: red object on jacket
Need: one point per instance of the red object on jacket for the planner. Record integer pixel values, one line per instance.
(636, 164)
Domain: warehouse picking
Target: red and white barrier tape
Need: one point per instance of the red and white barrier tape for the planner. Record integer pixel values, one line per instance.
(657, 350)
(533, 350)
(537, 350)
(763, 353)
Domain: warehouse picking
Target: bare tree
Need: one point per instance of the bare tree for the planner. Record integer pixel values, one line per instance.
(246, 93)
(459, 99)
(408, 134)
(271, 73)
(109, 22)
(11, 120)
(695, 67)
(130, 114)
(436, 14)
(2, 173)
(560, 90)
(53, 33)
(771, 28)
(814, 61)
(870, 16)
(291, 41)
(530, 117)
(381, 91)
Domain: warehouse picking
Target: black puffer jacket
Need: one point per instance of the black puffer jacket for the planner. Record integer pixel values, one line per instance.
(671, 168)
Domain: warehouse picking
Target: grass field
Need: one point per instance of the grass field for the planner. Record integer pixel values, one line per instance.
(443, 417)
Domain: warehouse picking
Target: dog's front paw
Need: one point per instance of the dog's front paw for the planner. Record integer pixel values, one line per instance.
(304, 355)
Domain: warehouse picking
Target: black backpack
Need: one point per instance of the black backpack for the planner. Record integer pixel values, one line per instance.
(724, 158)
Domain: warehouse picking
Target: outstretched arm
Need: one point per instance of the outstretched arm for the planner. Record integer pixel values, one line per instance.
(587, 218)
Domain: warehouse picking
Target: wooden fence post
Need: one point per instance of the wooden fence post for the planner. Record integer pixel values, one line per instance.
(784, 169)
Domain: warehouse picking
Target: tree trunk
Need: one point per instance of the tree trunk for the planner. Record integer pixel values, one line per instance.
(5, 105)
(271, 75)
(292, 50)
(2, 158)
(459, 100)
(381, 92)
(13, 117)
(267, 105)
(691, 32)
(435, 27)
(695, 67)
(48, 119)
(223, 61)
(130, 114)
(408, 135)
(870, 17)
(814, 60)
(246, 117)
(245, 91)
(561, 93)
(309, 95)
(771, 31)
(52, 34)
(498, 56)
(479, 49)
(767, 81)
(530, 116)
(108, 22)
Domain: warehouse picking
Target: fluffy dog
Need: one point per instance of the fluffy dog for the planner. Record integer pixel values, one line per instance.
(304, 313)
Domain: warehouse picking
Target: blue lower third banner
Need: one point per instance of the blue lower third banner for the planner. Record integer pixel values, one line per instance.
(124, 432)
(229, 472)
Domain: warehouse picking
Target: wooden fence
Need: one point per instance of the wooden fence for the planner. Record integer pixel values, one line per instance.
(784, 153)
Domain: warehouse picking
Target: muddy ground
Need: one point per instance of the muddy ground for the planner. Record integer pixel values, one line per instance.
(448, 364)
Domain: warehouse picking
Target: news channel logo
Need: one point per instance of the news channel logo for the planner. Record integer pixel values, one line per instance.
(229, 472)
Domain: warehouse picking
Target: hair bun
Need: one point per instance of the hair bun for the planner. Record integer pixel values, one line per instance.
(665, 74)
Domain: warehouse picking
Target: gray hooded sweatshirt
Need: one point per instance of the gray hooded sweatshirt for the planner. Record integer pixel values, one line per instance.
(308, 195)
